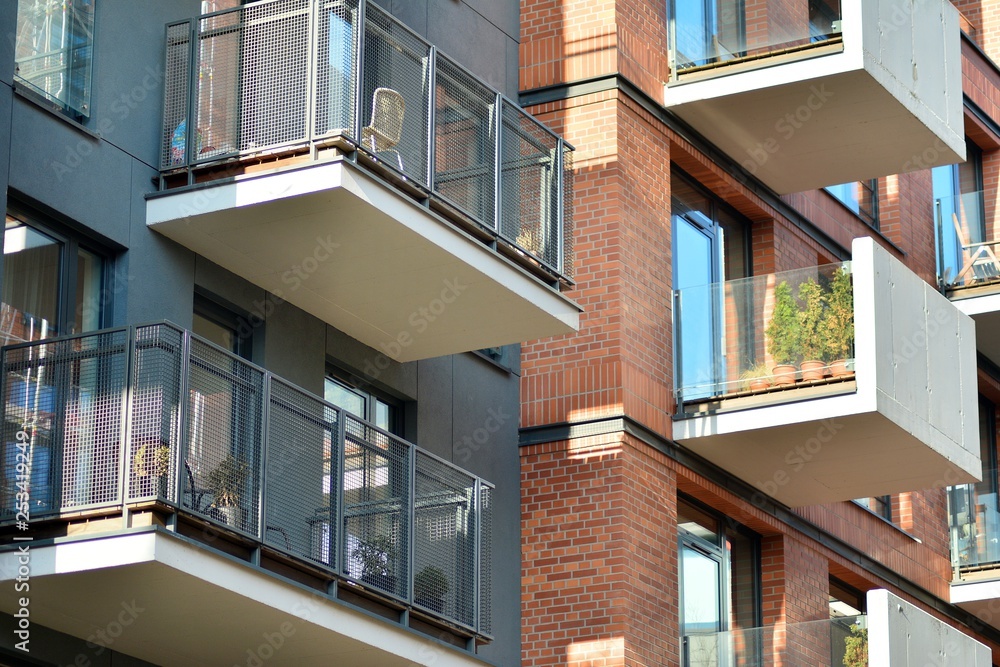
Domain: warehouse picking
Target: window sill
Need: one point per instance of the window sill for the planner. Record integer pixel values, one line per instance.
(886, 521)
(53, 110)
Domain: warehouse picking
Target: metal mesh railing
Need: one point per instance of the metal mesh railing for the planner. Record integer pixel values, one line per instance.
(63, 404)
(210, 434)
(283, 74)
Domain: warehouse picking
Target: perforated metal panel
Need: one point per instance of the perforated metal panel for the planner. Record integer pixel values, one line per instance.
(303, 451)
(176, 85)
(568, 268)
(444, 556)
(529, 186)
(218, 64)
(465, 142)
(376, 494)
(65, 397)
(224, 443)
(336, 68)
(485, 558)
(155, 413)
(397, 59)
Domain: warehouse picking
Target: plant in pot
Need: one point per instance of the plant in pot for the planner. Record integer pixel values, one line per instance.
(755, 378)
(227, 482)
(150, 466)
(812, 330)
(783, 335)
(377, 558)
(429, 588)
(856, 647)
(840, 323)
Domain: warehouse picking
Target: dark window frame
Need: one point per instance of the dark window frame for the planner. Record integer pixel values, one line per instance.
(867, 215)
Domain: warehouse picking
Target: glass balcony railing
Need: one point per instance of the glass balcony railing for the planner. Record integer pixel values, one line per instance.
(966, 256)
(154, 414)
(709, 34)
(974, 523)
(828, 643)
(764, 334)
(280, 77)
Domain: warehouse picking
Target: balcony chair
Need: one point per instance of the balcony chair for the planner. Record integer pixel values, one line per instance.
(386, 127)
(979, 258)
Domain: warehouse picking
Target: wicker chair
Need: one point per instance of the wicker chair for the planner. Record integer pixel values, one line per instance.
(386, 127)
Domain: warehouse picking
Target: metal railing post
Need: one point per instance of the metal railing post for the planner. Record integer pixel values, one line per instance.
(337, 527)
(477, 554)
(431, 115)
(125, 422)
(359, 71)
(560, 208)
(265, 425)
(190, 125)
(497, 161)
(312, 45)
(411, 520)
(182, 416)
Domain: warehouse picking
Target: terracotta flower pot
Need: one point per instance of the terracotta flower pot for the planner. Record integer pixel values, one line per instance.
(759, 384)
(784, 375)
(839, 369)
(813, 370)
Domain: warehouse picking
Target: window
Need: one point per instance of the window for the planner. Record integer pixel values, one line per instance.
(719, 583)
(710, 245)
(861, 197)
(52, 285)
(959, 213)
(973, 509)
(846, 605)
(221, 325)
(363, 404)
(54, 49)
(880, 505)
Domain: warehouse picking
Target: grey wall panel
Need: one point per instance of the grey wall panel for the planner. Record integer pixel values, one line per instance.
(83, 178)
(435, 406)
(296, 347)
(160, 280)
(505, 15)
(468, 37)
(8, 23)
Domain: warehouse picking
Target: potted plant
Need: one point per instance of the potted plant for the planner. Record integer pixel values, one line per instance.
(812, 330)
(150, 466)
(227, 482)
(840, 323)
(755, 378)
(429, 588)
(377, 557)
(856, 647)
(783, 335)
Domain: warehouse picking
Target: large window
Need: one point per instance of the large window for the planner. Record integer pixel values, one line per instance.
(719, 584)
(221, 325)
(52, 285)
(973, 508)
(959, 212)
(710, 246)
(861, 197)
(54, 49)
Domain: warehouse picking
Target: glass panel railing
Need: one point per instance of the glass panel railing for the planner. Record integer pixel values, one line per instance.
(208, 434)
(966, 256)
(765, 333)
(284, 76)
(707, 34)
(827, 643)
(974, 523)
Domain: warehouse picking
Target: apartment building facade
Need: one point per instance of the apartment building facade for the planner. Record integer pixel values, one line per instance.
(266, 268)
(800, 183)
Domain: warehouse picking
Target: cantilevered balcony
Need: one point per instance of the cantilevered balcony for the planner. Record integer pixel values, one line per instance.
(891, 407)
(974, 522)
(811, 93)
(969, 266)
(323, 151)
(149, 466)
(890, 634)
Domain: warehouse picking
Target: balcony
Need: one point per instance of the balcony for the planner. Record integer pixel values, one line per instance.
(347, 166)
(890, 634)
(968, 266)
(161, 470)
(974, 527)
(899, 414)
(811, 93)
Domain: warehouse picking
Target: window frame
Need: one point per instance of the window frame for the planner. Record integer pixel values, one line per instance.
(869, 186)
(70, 244)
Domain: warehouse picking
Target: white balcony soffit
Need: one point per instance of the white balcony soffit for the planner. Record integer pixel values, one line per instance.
(981, 598)
(173, 603)
(340, 244)
(912, 423)
(889, 103)
(984, 308)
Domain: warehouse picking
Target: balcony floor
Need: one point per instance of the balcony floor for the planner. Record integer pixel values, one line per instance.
(348, 248)
(183, 604)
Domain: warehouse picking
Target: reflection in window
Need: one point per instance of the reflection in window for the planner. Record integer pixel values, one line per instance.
(958, 212)
(53, 50)
(859, 196)
(51, 285)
